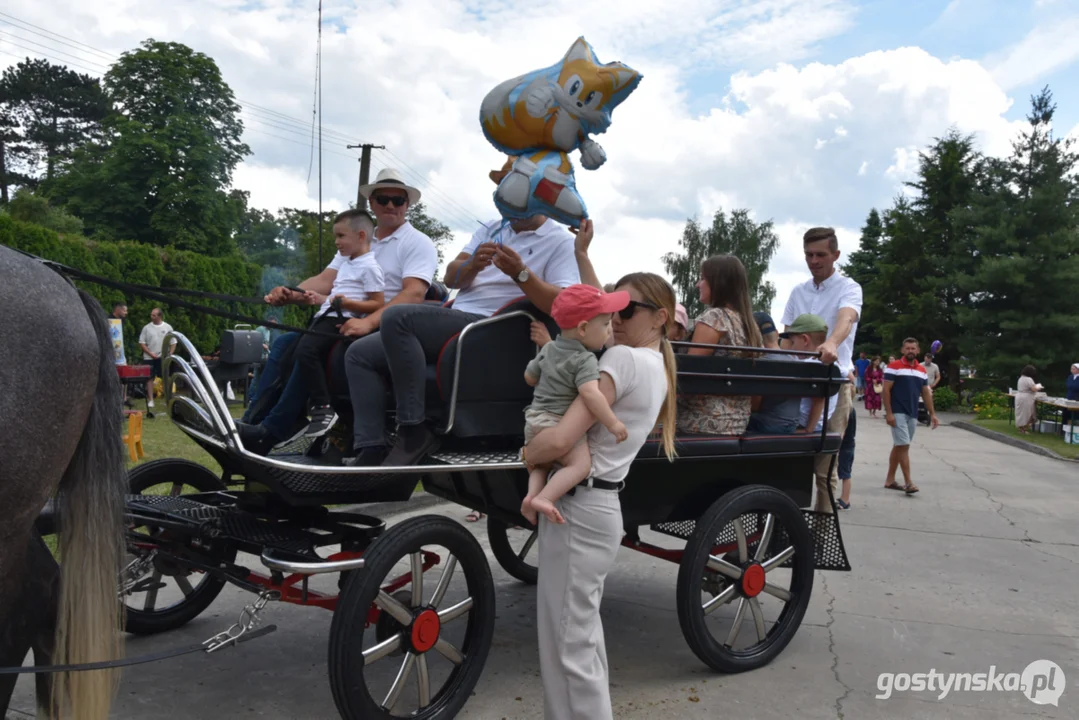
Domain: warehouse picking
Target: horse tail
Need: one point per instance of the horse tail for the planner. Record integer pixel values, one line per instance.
(91, 545)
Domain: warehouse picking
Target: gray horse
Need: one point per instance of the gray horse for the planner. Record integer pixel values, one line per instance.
(60, 426)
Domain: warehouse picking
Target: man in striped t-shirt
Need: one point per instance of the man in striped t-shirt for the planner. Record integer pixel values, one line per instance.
(904, 381)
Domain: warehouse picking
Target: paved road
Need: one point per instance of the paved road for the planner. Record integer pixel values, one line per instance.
(977, 570)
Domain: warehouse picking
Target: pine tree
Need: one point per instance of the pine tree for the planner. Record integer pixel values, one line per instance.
(863, 266)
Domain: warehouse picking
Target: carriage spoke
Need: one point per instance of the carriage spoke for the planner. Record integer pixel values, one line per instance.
(384, 648)
(397, 611)
(720, 600)
(740, 536)
(417, 579)
(455, 611)
(766, 537)
(185, 585)
(777, 592)
(448, 651)
(738, 617)
(758, 619)
(151, 594)
(399, 683)
(177, 488)
(423, 681)
(723, 567)
(528, 545)
(778, 560)
(444, 582)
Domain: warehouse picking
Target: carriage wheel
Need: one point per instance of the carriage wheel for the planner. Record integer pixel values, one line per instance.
(426, 651)
(158, 591)
(513, 547)
(737, 604)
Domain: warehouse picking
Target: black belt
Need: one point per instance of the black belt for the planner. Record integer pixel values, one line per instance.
(597, 484)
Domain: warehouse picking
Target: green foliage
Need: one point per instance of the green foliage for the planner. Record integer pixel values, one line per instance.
(991, 405)
(429, 226)
(944, 398)
(161, 173)
(863, 265)
(143, 264)
(752, 243)
(29, 207)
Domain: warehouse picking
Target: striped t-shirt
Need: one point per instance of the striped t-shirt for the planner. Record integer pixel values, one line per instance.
(908, 382)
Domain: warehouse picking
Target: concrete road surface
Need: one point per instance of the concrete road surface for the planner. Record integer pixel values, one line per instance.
(978, 570)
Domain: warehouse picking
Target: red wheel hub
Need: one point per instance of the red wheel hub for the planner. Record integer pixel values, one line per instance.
(425, 629)
(753, 580)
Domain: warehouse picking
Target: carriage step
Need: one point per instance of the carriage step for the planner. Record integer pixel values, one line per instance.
(479, 457)
(830, 554)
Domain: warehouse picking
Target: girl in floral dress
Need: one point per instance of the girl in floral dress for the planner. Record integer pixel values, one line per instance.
(874, 379)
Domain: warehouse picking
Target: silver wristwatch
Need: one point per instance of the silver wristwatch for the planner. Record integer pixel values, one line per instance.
(522, 277)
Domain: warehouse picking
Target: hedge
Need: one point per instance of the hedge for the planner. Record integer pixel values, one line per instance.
(164, 267)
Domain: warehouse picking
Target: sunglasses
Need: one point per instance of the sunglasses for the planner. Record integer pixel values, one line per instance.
(385, 200)
(627, 312)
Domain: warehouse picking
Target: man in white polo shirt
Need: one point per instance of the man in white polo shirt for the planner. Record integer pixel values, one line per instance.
(532, 258)
(838, 300)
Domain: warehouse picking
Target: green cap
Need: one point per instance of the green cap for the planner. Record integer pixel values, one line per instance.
(805, 323)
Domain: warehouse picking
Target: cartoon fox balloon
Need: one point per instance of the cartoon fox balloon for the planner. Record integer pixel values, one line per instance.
(539, 118)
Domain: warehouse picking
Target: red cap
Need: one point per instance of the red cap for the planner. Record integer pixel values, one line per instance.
(580, 303)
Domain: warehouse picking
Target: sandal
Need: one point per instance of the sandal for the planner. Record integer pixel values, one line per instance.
(844, 505)
(474, 516)
(893, 486)
(910, 489)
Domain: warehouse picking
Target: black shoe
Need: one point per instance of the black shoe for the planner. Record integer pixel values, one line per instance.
(367, 457)
(414, 442)
(322, 419)
(256, 438)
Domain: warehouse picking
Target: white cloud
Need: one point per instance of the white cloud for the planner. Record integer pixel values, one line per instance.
(413, 79)
(1046, 48)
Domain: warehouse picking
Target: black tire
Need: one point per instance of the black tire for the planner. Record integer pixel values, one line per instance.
(180, 474)
(753, 503)
(510, 559)
(346, 661)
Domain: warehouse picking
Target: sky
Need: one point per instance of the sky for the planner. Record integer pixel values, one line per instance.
(804, 112)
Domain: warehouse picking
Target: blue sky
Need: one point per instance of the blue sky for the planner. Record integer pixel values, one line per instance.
(806, 112)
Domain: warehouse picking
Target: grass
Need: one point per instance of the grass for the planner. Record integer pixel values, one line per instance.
(161, 438)
(1051, 442)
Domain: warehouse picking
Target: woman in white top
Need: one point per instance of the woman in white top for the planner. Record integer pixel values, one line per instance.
(1025, 405)
(638, 378)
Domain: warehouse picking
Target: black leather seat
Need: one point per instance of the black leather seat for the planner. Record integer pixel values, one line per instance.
(701, 446)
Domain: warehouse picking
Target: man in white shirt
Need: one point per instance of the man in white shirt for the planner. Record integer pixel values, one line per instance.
(152, 341)
(530, 258)
(409, 261)
(838, 300)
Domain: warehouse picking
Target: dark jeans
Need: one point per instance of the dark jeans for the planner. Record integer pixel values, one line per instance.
(281, 418)
(771, 428)
(410, 338)
(846, 449)
(311, 356)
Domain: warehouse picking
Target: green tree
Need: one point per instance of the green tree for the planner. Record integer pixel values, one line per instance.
(1027, 239)
(863, 265)
(439, 233)
(162, 171)
(753, 243)
(56, 110)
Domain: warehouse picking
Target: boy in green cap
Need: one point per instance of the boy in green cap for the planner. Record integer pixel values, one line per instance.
(806, 334)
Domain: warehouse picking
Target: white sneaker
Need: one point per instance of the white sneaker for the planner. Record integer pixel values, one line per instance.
(149, 403)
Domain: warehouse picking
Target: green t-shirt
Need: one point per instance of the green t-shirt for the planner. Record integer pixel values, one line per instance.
(562, 366)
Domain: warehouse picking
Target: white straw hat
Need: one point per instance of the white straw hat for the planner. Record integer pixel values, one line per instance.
(389, 178)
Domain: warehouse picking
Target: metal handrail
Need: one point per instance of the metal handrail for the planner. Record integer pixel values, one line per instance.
(309, 567)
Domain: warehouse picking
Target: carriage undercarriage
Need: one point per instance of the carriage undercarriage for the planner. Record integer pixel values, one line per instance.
(414, 604)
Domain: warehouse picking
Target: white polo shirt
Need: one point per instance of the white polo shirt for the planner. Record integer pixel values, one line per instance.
(406, 253)
(826, 300)
(547, 252)
(355, 278)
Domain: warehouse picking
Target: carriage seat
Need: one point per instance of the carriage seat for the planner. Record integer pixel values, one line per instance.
(704, 446)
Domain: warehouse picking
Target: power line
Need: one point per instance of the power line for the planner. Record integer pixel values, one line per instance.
(432, 187)
(50, 32)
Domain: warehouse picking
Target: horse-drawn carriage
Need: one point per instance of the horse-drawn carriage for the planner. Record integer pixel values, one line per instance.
(414, 604)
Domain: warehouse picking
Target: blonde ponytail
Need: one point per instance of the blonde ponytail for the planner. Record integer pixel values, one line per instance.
(668, 412)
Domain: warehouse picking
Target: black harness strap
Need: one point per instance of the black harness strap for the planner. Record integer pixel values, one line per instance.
(137, 660)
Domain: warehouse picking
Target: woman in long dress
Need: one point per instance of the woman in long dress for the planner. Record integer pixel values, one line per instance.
(1025, 414)
(874, 376)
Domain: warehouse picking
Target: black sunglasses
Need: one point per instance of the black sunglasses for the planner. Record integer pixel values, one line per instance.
(627, 312)
(385, 200)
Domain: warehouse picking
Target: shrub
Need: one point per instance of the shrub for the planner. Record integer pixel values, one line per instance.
(944, 398)
(991, 405)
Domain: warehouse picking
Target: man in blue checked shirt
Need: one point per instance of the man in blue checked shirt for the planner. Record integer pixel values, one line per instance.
(904, 380)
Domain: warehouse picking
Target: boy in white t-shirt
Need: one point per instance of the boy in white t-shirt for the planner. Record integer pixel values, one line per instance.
(806, 334)
(358, 289)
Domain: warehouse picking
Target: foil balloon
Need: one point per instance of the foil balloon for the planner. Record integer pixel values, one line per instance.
(539, 118)
(935, 347)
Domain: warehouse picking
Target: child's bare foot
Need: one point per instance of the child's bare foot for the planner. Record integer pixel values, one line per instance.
(528, 511)
(545, 506)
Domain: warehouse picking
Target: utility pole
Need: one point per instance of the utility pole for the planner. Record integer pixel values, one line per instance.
(365, 169)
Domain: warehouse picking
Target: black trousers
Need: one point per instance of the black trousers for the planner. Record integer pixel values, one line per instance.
(311, 354)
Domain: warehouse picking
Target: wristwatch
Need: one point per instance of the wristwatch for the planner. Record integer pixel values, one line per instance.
(522, 277)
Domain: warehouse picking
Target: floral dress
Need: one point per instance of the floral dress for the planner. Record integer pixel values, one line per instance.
(873, 377)
(717, 414)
